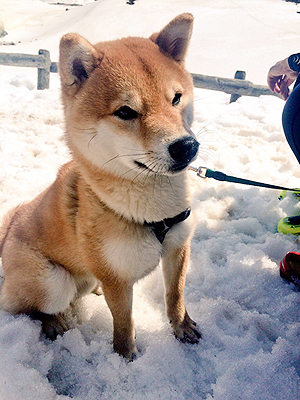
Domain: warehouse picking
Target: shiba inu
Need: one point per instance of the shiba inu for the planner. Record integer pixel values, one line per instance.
(122, 204)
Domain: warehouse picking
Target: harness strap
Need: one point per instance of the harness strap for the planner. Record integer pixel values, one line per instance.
(161, 228)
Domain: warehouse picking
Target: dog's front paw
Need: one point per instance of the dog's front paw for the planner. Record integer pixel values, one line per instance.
(187, 331)
(128, 352)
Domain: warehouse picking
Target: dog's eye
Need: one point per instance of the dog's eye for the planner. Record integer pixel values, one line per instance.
(126, 113)
(176, 99)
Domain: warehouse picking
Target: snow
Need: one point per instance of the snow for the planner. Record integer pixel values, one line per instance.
(248, 315)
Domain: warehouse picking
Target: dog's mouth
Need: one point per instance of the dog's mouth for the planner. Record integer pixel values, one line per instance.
(141, 165)
(181, 153)
(173, 168)
(178, 167)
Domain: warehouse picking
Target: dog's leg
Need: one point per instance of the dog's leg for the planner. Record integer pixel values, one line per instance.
(119, 299)
(174, 265)
(36, 286)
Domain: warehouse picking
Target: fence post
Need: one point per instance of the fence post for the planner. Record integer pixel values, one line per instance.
(44, 73)
(237, 75)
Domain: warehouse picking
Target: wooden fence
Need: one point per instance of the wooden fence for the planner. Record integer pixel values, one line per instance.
(236, 87)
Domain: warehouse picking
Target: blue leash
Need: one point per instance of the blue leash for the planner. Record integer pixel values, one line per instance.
(204, 172)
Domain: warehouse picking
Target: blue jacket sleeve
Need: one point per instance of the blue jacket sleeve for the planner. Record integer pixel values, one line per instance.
(294, 62)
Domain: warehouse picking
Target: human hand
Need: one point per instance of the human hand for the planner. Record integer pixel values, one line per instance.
(280, 77)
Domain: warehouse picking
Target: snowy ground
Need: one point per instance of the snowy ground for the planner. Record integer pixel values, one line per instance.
(248, 315)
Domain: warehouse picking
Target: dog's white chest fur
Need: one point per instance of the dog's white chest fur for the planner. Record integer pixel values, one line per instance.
(133, 256)
(137, 251)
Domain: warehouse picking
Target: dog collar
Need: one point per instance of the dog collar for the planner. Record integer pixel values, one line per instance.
(161, 228)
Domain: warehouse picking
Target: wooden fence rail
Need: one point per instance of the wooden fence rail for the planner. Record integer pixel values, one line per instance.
(41, 61)
(230, 86)
(235, 87)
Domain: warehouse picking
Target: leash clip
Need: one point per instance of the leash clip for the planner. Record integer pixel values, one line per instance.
(200, 171)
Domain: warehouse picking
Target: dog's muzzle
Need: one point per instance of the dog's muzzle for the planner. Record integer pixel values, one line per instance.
(182, 153)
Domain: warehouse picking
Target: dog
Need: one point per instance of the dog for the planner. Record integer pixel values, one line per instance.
(122, 204)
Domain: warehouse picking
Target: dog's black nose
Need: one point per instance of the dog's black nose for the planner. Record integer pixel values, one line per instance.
(182, 152)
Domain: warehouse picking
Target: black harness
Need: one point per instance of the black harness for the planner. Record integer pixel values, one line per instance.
(161, 228)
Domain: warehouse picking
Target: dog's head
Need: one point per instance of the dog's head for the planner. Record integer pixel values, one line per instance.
(129, 102)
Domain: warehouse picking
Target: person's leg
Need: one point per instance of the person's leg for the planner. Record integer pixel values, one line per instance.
(290, 264)
(291, 120)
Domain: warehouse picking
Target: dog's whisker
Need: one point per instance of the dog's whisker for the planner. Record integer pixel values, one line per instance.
(140, 173)
(128, 171)
(202, 136)
(160, 168)
(141, 157)
(148, 170)
(137, 150)
(91, 129)
(93, 137)
(206, 151)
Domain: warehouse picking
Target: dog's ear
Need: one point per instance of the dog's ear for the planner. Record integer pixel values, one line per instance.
(77, 59)
(174, 39)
